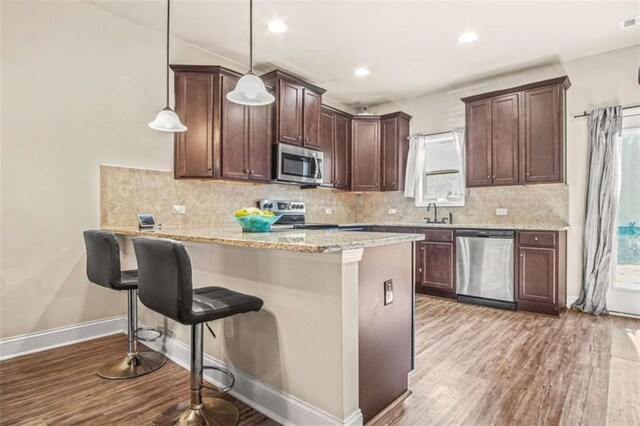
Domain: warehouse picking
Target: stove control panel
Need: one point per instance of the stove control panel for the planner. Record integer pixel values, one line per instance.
(283, 207)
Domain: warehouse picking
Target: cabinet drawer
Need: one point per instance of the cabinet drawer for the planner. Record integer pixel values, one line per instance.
(441, 235)
(537, 239)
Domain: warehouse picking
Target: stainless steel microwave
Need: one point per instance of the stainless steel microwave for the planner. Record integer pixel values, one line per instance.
(297, 164)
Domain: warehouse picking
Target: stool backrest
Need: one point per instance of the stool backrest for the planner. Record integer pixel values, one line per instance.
(103, 258)
(164, 277)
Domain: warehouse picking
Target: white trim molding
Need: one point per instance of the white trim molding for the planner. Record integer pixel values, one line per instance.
(12, 347)
(280, 406)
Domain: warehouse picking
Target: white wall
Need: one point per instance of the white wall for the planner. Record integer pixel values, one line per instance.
(601, 80)
(79, 86)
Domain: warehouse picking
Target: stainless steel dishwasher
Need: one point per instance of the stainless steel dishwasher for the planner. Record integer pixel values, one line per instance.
(484, 267)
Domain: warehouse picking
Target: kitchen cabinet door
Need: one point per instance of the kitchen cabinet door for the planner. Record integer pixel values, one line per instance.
(435, 268)
(389, 152)
(327, 143)
(537, 275)
(193, 156)
(312, 109)
(290, 100)
(365, 154)
(478, 122)
(234, 135)
(260, 142)
(543, 134)
(505, 139)
(341, 152)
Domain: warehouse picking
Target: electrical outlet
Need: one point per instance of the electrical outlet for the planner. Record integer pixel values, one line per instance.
(501, 212)
(228, 327)
(179, 209)
(328, 211)
(388, 292)
(393, 211)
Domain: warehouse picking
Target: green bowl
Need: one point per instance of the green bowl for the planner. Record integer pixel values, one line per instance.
(257, 223)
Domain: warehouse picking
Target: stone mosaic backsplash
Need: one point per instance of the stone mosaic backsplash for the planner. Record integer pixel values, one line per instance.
(125, 192)
(531, 205)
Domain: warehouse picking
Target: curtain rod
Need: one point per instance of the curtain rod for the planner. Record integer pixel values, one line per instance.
(430, 134)
(586, 114)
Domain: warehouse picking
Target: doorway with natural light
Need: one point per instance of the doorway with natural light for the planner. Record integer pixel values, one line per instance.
(624, 296)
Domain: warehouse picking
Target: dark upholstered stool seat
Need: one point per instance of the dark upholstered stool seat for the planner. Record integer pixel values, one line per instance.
(103, 268)
(128, 280)
(212, 303)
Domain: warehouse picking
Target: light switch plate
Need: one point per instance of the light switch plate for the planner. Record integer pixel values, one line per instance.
(501, 212)
(393, 211)
(179, 209)
(328, 211)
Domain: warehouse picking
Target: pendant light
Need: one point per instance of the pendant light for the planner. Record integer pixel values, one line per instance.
(167, 120)
(250, 89)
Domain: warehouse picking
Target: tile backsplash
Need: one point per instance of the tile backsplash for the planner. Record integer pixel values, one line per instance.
(125, 192)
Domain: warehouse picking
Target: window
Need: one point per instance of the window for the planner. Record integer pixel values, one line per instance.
(441, 178)
(628, 226)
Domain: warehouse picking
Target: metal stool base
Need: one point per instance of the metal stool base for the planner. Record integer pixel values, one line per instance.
(132, 366)
(212, 412)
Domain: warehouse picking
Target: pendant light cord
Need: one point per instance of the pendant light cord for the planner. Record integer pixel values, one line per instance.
(251, 36)
(168, 21)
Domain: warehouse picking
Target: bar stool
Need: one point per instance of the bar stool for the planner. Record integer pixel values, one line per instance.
(166, 287)
(103, 268)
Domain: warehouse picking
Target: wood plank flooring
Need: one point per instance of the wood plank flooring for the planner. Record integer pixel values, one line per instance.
(475, 366)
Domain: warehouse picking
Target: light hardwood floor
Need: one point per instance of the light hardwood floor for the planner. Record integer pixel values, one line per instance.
(475, 366)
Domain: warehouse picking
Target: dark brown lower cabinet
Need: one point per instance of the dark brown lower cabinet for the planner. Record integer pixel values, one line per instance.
(435, 263)
(540, 271)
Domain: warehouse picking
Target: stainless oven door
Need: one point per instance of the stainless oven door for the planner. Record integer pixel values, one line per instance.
(296, 164)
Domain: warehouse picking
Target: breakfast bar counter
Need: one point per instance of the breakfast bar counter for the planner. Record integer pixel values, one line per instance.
(333, 343)
(298, 240)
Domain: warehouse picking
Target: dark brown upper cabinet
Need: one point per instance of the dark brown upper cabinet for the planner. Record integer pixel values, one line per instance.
(365, 153)
(223, 140)
(335, 128)
(394, 148)
(297, 108)
(516, 136)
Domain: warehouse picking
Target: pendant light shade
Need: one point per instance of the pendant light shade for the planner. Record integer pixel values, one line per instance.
(167, 120)
(250, 89)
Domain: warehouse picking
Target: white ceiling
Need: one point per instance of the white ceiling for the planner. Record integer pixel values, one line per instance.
(410, 47)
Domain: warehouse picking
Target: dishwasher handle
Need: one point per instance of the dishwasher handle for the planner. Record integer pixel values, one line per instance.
(485, 233)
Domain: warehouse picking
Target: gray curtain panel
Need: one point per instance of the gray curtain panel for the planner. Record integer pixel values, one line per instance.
(605, 125)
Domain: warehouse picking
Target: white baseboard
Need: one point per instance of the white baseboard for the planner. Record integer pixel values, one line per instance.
(571, 300)
(12, 347)
(273, 403)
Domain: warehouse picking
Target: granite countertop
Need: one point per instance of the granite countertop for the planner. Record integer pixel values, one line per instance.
(305, 241)
(524, 226)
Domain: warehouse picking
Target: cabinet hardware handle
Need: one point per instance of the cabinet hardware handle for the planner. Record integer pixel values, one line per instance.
(209, 168)
(535, 238)
(521, 254)
(494, 176)
(419, 269)
(488, 177)
(251, 171)
(528, 173)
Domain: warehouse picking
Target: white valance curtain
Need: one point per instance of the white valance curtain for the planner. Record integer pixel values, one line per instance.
(416, 161)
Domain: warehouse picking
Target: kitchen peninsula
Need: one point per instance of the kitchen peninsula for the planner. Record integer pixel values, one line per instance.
(327, 335)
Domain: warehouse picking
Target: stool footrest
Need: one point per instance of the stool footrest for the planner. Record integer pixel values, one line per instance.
(148, 339)
(224, 371)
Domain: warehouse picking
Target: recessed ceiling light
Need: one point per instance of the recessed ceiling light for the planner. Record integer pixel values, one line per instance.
(468, 37)
(361, 72)
(277, 27)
